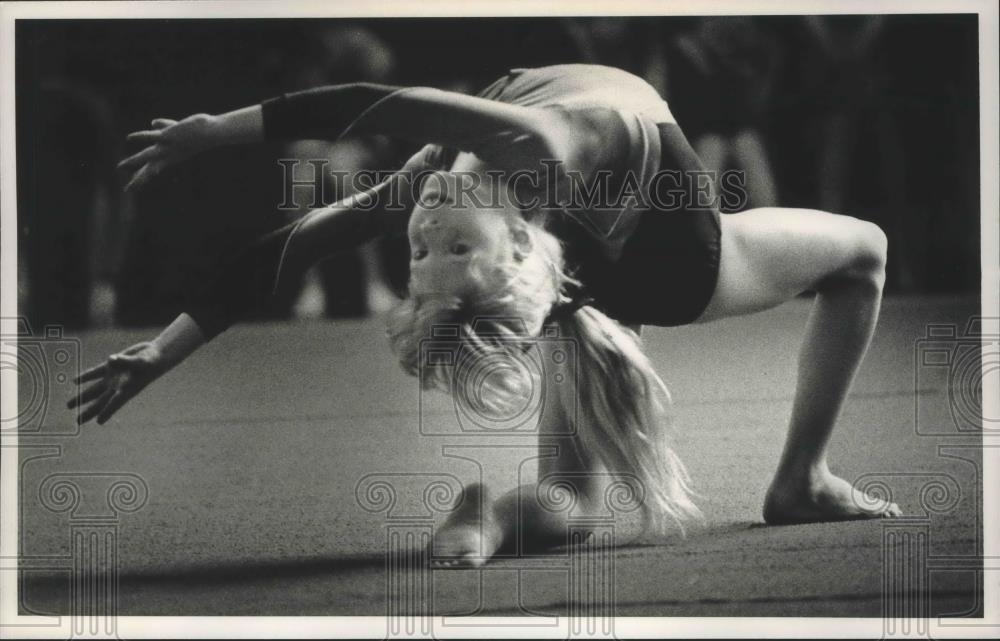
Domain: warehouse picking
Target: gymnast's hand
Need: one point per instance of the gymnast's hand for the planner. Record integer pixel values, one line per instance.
(168, 143)
(116, 381)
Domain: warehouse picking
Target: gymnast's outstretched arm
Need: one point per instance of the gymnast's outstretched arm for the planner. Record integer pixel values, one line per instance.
(501, 134)
(246, 283)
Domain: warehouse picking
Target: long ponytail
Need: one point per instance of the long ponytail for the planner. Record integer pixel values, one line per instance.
(626, 415)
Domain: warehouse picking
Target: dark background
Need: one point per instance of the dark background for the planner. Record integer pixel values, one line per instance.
(909, 99)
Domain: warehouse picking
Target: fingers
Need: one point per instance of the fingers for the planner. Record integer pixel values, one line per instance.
(143, 164)
(123, 359)
(150, 136)
(135, 349)
(114, 403)
(138, 160)
(143, 176)
(96, 407)
(150, 160)
(91, 374)
(88, 394)
(107, 395)
(99, 371)
(146, 137)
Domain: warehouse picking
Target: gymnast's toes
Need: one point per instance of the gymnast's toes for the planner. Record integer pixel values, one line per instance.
(828, 498)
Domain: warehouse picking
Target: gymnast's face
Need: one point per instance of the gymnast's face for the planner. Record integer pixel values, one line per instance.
(452, 242)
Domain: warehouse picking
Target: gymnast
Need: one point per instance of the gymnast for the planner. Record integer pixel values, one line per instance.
(503, 260)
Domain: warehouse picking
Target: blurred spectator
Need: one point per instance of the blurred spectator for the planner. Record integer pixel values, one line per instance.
(846, 78)
(721, 86)
(354, 283)
(69, 206)
(627, 43)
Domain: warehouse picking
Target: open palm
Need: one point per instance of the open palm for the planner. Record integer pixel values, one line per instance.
(116, 381)
(167, 143)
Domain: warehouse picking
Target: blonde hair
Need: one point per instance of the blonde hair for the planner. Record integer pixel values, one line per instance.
(626, 418)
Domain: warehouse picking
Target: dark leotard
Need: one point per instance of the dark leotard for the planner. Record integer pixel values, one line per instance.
(665, 272)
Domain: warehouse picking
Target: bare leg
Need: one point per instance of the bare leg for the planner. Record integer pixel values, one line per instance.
(768, 257)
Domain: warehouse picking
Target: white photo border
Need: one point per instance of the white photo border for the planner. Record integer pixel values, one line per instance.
(13, 624)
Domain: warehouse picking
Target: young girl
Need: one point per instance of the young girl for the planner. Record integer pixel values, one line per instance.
(526, 255)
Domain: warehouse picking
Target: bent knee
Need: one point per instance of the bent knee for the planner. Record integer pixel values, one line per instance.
(867, 254)
(873, 248)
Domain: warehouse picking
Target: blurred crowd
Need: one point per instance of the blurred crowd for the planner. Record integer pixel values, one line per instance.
(872, 116)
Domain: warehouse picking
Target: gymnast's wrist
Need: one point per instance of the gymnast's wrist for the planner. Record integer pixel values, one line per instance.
(241, 126)
(178, 340)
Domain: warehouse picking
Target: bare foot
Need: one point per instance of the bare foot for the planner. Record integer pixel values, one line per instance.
(825, 498)
(471, 535)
